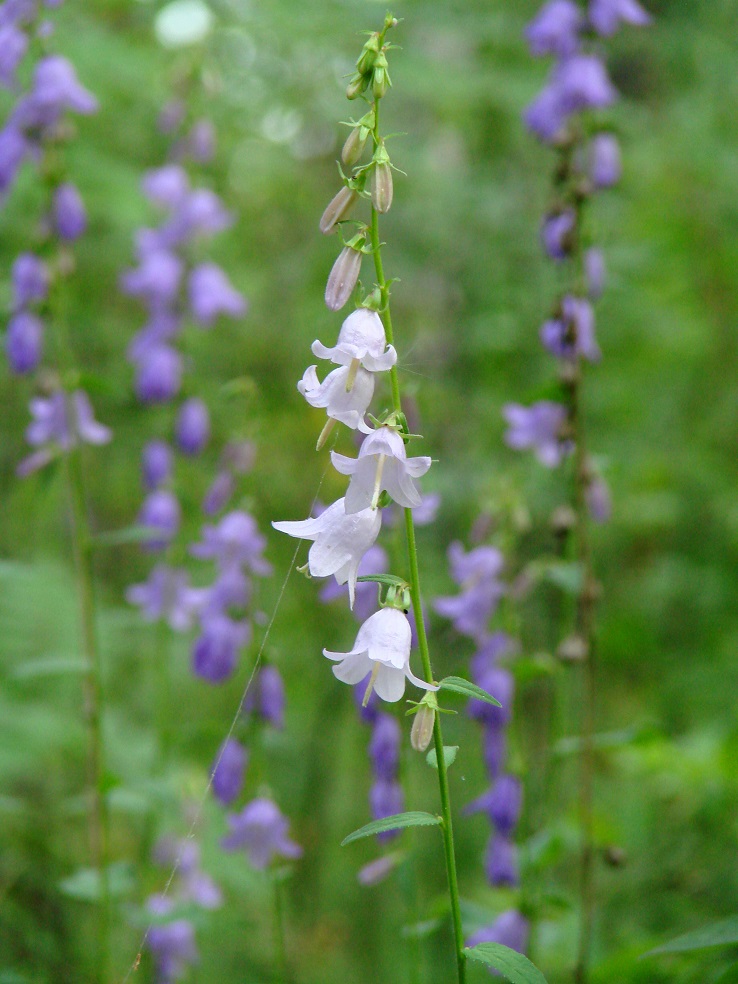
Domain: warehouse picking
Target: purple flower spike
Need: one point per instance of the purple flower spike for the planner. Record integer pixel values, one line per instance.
(555, 29)
(156, 464)
(510, 929)
(219, 494)
(546, 116)
(159, 375)
(60, 422)
(13, 149)
(572, 334)
(13, 46)
(606, 15)
(537, 427)
(166, 594)
(234, 542)
(503, 803)
(500, 861)
(271, 696)
(173, 947)
(605, 166)
(23, 342)
(68, 210)
(228, 771)
(476, 572)
(215, 652)
(166, 186)
(161, 512)
(30, 280)
(385, 800)
(384, 747)
(57, 88)
(494, 748)
(261, 830)
(156, 278)
(594, 270)
(193, 426)
(212, 293)
(556, 233)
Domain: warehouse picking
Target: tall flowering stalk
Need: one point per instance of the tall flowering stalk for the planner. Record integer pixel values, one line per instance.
(381, 473)
(564, 116)
(62, 414)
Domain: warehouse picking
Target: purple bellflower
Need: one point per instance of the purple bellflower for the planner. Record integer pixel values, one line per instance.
(60, 422)
(555, 29)
(261, 830)
(477, 575)
(605, 16)
(228, 771)
(538, 427)
(510, 929)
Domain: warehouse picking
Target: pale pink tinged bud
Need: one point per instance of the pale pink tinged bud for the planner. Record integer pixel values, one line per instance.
(338, 209)
(382, 187)
(342, 278)
(354, 146)
(422, 729)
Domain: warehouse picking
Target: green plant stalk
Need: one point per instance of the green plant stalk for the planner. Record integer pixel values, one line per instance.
(81, 540)
(447, 825)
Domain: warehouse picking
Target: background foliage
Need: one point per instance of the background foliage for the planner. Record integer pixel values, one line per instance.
(472, 291)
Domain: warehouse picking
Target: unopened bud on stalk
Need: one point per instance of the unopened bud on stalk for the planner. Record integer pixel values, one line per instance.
(382, 187)
(380, 76)
(422, 729)
(354, 146)
(368, 57)
(337, 209)
(356, 86)
(344, 274)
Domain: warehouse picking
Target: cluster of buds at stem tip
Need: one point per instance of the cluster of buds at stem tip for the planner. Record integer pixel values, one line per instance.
(371, 66)
(344, 273)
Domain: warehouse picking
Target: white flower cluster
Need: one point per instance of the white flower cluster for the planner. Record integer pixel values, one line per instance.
(344, 532)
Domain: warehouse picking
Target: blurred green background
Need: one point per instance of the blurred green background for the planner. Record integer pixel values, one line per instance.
(473, 288)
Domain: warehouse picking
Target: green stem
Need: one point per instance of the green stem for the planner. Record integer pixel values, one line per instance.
(447, 826)
(279, 939)
(81, 541)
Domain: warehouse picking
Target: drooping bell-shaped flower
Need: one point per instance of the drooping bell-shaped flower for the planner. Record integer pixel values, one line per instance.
(340, 540)
(160, 512)
(228, 771)
(382, 465)
(166, 595)
(261, 829)
(215, 652)
(60, 422)
(193, 426)
(537, 427)
(68, 212)
(555, 29)
(606, 15)
(345, 394)
(511, 928)
(382, 648)
(234, 542)
(24, 342)
(156, 464)
(605, 165)
(30, 278)
(572, 333)
(361, 339)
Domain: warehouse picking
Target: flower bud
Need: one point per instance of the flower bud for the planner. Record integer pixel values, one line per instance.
(337, 209)
(354, 146)
(380, 76)
(342, 278)
(356, 86)
(422, 729)
(368, 57)
(382, 187)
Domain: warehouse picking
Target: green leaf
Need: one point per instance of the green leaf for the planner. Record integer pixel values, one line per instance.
(721, 933)
(391, 580)
(128, 534)
(513, 965)
(49, 666)
(85, 883)
(565, 575)
(449, 756)
(399, 820)
(458, 685)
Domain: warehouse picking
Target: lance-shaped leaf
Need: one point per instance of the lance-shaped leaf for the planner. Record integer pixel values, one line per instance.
(723, 933)
(459, 685)
(397, 822)
(511, 964)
